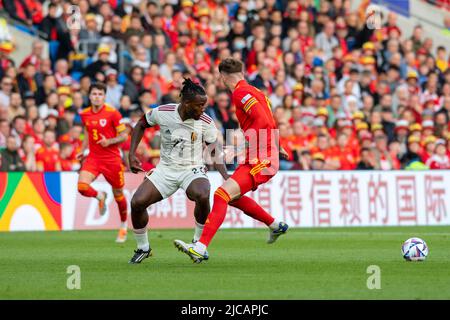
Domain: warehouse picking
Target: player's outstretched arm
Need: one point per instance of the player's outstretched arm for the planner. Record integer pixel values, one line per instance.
(136, 137)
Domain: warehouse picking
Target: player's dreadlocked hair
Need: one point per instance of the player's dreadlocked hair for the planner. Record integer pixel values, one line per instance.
(191, 89)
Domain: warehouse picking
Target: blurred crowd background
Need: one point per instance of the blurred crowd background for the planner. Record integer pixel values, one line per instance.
(444, 4)
(344, 96)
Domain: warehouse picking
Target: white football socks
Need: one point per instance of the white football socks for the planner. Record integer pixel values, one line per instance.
(142, 239)
(100, 195)
(123, 225)
(198, 231)
(274, 225)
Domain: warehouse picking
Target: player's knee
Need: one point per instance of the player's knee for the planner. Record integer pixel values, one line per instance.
(83, 187)
(200, 194)
(138, 203)
(201, 197)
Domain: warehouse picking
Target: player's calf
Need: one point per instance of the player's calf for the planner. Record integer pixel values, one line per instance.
(139, 216)
(86, 190)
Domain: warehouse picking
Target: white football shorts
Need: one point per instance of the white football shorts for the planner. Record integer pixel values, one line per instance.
(168, 180)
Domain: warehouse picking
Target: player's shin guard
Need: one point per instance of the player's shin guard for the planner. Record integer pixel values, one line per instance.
(216, 217)
(123, 207)
(86, 190)
(252, 209)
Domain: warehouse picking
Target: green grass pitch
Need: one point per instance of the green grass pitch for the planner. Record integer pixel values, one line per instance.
(326, 263)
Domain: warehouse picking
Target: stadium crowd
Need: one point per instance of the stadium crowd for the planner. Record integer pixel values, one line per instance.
(445, 4)
(344, 96)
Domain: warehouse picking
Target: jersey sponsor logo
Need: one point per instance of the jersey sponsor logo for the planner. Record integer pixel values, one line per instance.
(246, 97)
(102, 122)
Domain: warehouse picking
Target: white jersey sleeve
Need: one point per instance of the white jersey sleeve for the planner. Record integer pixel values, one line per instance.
(152, 117)
(210, 132)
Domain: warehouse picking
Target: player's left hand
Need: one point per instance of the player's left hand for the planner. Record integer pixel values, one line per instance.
(283, 154)
(103, 141)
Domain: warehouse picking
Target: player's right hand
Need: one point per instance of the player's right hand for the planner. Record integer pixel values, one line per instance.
(135, 164)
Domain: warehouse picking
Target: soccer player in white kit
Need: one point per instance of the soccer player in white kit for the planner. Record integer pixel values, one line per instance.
(184, 128)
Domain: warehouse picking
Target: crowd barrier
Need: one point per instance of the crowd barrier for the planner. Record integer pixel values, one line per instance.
(50, 201)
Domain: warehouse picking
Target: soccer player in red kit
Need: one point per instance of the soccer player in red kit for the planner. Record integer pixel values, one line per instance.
(254, 114)
(106, 132)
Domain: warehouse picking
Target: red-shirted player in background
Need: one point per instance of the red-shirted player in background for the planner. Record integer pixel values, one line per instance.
(254, 114)
(105, 130)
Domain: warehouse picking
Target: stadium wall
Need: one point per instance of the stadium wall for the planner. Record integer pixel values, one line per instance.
(50, 201)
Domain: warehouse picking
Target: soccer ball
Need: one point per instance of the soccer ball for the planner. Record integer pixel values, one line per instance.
(414, 249)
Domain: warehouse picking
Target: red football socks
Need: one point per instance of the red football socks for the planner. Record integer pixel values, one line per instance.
(216, 217)
(252, 209)
(122, 204)
(86, 190)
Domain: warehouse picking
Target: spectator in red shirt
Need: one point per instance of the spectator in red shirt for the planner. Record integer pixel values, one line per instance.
(73, 137)
(306, 41)
(47, 157)
(285, 142)
(383, 159)
(19, 10)
(35, 57)
(185, 15)
(429, 144)
(68, 162)
(27, 153)
(347, 161)
(439, 160)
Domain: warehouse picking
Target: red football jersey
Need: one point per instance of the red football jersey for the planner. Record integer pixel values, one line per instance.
(254, 112)
(105, 122)
(253, 108)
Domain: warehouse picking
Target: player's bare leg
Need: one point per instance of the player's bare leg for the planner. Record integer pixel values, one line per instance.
(123, 207)
(85, 180)
(145, 195)
(198, 191)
